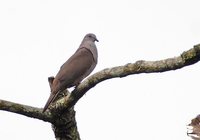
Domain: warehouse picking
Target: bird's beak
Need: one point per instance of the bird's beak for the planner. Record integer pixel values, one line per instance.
(96, 40)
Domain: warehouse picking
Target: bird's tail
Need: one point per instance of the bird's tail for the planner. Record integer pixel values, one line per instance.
(49, 101)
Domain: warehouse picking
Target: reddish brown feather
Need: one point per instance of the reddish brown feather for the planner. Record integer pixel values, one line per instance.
(72, 72)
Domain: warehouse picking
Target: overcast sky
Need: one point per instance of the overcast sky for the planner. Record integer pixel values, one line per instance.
(37, 37)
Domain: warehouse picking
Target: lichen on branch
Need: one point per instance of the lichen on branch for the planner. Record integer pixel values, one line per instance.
(186, 58)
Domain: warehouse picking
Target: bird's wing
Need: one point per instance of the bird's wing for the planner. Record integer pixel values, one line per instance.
(76, 68)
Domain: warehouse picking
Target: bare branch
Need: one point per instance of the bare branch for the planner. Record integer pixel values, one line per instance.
(186, 58)
(25, 110)
(194, 128)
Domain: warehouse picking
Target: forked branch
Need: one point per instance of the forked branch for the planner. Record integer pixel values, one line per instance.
(186, 58)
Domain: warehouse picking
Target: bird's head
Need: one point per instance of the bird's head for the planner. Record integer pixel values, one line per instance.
(91, 37)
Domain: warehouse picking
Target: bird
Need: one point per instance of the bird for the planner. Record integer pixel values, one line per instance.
(75, 69)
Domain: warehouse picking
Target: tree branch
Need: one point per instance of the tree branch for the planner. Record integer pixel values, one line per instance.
(25, 110)
(186, 58)
(194, 128)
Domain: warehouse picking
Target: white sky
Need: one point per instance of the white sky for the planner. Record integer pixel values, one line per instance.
(37, 37)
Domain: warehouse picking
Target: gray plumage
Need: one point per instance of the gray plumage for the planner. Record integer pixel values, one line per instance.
(76, 68)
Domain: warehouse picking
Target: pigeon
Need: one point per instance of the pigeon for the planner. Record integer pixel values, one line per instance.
(76, 68)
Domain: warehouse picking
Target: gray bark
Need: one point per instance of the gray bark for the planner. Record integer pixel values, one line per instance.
(61, 113)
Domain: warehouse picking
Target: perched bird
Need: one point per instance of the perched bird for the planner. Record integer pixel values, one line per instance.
(76, 68)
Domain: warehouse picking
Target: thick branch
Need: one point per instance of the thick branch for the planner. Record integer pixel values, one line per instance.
(25, 110)
(186, 58)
